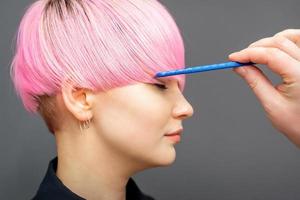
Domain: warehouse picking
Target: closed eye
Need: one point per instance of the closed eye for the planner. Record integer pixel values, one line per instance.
(161, 86)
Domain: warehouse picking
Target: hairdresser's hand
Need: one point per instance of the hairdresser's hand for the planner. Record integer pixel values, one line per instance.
(281, 54)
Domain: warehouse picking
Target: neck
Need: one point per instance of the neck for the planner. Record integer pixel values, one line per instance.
(89, 169)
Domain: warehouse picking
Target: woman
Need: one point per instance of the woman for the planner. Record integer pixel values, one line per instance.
(87, 67)
(83, 65)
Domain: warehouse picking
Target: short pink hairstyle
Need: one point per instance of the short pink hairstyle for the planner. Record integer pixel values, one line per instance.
(97, 44)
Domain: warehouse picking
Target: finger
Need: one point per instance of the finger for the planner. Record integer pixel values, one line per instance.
(261, 86)
(281, 43)
(291, 34)
(276, 60)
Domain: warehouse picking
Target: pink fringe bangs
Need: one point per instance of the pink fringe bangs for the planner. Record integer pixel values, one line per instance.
(95, 44)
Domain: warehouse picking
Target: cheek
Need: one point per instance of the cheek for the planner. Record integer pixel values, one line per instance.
(138, 118)
(133, 123)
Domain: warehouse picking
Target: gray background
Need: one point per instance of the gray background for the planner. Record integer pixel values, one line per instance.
(229, 148)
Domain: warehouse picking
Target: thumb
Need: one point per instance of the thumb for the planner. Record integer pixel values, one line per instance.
(262, 87)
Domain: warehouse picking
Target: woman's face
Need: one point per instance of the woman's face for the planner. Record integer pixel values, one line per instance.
(133, 120)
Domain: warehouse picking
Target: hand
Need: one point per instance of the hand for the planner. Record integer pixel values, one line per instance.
(281, 54)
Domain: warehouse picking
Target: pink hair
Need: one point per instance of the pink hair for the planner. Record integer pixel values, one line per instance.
(95, 44)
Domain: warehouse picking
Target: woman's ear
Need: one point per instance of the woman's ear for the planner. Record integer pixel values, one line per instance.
(78, 101)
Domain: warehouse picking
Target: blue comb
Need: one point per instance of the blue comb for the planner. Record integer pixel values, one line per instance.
(202, 68)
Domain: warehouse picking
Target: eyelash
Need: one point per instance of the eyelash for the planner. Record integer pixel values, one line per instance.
(161, 86)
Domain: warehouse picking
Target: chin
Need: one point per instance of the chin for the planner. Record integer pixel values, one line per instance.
(166, 158)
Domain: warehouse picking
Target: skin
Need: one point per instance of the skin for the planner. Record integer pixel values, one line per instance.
(126, 132)
(125, 136)
(281, 54)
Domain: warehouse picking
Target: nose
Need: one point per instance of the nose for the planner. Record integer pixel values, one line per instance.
(182, 109)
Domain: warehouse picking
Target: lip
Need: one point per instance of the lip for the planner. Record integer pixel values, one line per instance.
(176, 132)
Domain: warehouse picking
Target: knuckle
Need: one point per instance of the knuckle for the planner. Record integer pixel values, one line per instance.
(286, 32)
(256, 43)
(279, 41)
(253, 84)
(290, 30)
(274, 53)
